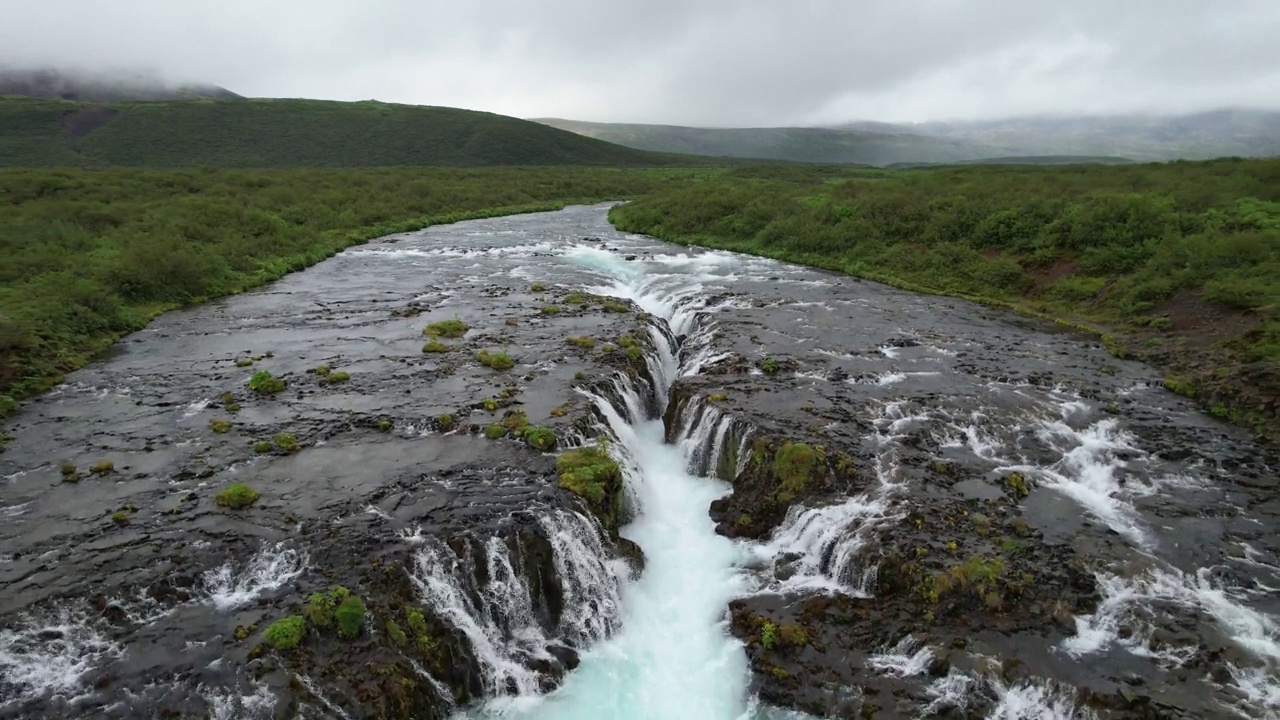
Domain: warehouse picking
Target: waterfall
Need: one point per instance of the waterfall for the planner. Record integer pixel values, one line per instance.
(484, 593)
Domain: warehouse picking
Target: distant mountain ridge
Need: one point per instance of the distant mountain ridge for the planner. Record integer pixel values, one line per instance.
(1219, 133)
(245, 133)
(100, 87)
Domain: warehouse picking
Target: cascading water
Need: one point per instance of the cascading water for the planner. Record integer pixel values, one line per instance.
(673, 657)
(498, 616)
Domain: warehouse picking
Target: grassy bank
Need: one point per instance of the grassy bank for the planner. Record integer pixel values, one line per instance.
(1180, 263)
(90, 255)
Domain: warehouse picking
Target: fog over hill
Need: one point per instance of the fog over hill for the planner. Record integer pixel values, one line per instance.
(98, 86)
(1198, 136)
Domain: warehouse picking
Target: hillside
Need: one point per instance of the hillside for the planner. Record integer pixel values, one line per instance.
(1045, 141)
(242, 133)
(1198, 136)
(100, 87)
(813, 145)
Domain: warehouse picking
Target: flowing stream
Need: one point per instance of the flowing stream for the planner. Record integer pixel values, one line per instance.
(1138, 535)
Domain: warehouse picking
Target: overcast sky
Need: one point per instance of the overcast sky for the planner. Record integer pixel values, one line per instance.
(695, 62)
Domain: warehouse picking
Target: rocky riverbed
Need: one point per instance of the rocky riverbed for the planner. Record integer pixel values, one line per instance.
(936, 509)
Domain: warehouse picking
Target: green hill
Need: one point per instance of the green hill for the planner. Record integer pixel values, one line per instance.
(243, 133)
(811, 145)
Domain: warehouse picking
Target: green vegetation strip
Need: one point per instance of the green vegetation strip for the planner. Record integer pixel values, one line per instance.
(1177, 264)
(90, 255)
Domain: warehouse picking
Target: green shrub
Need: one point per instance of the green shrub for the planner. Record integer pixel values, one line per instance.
(322, 606)
(102, 467)
(120, 517)
(582, 342)
(67, 468)
(219, 426)
(338, 377)
(495, 431)
(444, 423)
(612, 306)
(537, 287)
(384, 425)
(447, 329)
(350, 616)
(769, 366)
(286, 633)
(237, 496)
(496, 361)
(264, 383)
(321, 370)
(550, 310)
(244, 362)
(435, 346)
(575, 298)
(263, 446)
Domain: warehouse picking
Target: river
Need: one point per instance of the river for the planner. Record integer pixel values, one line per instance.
(994, 518)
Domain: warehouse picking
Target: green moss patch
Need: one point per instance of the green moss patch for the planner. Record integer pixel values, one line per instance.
(237, 496)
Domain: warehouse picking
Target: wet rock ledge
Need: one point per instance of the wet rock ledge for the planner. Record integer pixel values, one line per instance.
(319, 503)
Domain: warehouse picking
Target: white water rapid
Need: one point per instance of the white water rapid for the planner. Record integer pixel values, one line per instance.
(673, 657)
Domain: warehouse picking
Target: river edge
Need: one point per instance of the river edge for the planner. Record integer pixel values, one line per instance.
(342, 240)
(1193, 378)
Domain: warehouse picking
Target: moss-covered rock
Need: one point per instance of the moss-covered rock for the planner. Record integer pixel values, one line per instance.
(451, 329)
(591, 474)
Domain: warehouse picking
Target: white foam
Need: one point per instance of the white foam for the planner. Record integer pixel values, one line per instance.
(906, 659)
(1036, 701)
(236, 704)
(269, 568)
(48, 654)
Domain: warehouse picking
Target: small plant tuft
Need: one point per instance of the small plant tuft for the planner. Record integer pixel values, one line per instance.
(102, 467)
(495, 431)
(264, 383)
(585, 341)
(613, 306)
(435, 346)
(338, 377)
(540, 439)
(220, 426)
(550, 310)
(263, 446)
(496, 361)
(444, 423)
(288, 443)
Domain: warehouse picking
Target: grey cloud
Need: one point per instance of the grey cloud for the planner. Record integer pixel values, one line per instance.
(717, 62)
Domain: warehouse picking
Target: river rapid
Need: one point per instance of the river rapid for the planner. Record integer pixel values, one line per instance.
(837, 499)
